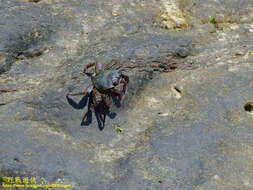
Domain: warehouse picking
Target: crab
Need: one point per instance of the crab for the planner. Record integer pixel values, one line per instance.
(104, 83)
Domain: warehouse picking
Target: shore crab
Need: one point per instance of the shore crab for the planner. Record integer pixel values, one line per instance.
(104, 83)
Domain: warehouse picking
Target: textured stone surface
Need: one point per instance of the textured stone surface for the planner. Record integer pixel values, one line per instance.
(185, 129)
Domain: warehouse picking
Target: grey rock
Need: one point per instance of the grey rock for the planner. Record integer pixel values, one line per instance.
(183, 119)
(26, 31)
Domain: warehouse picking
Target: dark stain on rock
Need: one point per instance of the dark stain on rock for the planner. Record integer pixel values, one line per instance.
(34, 1)
(26, 33)
(16, 159)
(177, 89)
(248, 107)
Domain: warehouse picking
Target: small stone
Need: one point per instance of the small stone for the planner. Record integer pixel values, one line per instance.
(182, 52)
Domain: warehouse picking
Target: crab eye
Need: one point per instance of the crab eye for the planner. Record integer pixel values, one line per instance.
(115, 83)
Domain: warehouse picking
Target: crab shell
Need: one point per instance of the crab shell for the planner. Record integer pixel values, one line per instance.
(106, 80)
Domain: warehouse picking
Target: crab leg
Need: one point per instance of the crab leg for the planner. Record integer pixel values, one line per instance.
(125, 77)
(88, 66)
(107, 107)
(98, 67)
(118, 93)
(113, 65)
(94, 91)
(125, 81)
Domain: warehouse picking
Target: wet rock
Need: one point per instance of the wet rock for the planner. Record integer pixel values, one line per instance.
(26, 33)
(184, 120)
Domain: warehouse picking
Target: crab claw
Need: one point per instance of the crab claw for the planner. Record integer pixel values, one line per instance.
(115, 83)
(121, 97)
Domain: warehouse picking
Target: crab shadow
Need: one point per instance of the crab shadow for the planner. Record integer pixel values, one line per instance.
(99, 110)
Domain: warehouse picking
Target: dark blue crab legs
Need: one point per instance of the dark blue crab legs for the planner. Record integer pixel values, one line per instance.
(107, 106)
(94, 91)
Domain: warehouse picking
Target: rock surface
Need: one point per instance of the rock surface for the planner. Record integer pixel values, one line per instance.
(184, 129)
